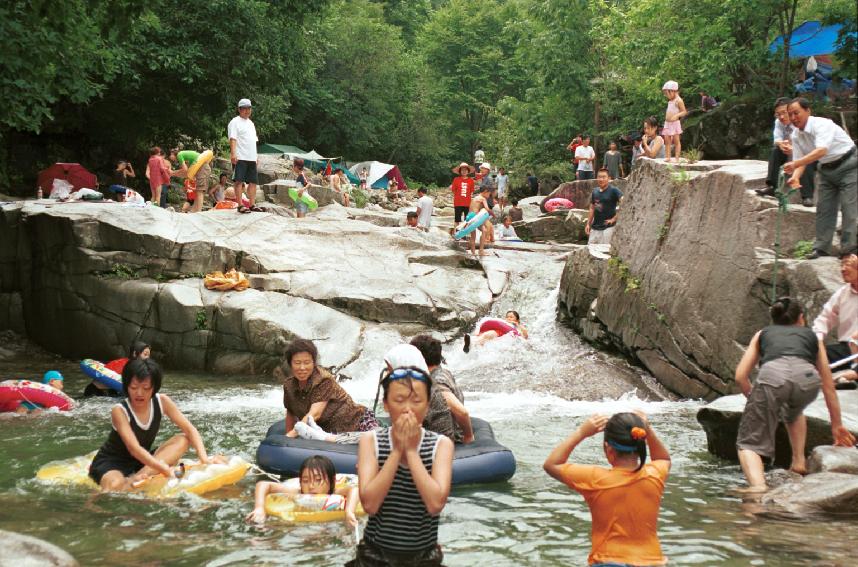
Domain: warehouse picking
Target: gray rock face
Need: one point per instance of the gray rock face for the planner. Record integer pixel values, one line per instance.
(91, 277)
(560, 226)
(579, 192)
(691, 276)
(828, 458)
(720, 420)
(729, 132)
(21, 550)
(825, 492)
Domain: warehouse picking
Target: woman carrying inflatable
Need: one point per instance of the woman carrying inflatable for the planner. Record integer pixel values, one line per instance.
(491, 328)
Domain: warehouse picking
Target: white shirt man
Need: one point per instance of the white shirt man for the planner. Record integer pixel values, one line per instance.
(424, 209)
(242, 150)
(586, 155)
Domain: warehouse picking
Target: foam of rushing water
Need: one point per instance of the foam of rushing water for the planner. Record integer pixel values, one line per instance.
(533, 392)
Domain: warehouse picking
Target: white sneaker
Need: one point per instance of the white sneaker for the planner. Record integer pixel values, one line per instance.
(307, 432)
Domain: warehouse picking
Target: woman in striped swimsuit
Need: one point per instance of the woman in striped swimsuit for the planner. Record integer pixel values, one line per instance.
(404, 473)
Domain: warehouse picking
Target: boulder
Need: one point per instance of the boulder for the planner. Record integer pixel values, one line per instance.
(720, 421)
(21, 550)
(91, 277)
(825, 492)
(730, 131)
(691, 273)
(827, 458)
(560, 226)
(579, 192)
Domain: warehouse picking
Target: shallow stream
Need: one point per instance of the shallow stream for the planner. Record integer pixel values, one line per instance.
(532, 392)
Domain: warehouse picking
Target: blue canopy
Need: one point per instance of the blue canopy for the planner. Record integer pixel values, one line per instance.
(810, 38)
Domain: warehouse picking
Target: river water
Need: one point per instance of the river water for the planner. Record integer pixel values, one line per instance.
(534, 393)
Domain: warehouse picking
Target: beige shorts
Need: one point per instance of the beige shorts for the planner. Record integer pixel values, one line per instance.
(601, 236)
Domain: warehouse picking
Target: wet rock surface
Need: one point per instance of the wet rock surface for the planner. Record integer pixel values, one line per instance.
(20, 550)
(88, 278)
(691, 273)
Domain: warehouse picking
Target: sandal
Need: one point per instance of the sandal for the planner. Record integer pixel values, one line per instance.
(242, 209)
(255, 209)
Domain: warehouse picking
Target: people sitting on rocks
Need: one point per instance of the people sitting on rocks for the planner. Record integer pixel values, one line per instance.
(604, 209)
(485, 335)
(340, 185)
(624, 500)
(515, 212)
(425, 206)
(840, 313)
(311, 395)
(303, 184)
(651, 142)
(707, 102)
(506, 231)
(217, 192)
(792, 364)
(817, 139)
(782, 153)
(119, 186)
(447, 412)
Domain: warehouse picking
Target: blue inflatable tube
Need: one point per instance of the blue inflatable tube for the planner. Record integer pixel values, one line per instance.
(101, 374)
(476, 222)
(485, 460)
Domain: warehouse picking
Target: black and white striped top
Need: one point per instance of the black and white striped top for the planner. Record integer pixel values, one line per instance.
(403, 523)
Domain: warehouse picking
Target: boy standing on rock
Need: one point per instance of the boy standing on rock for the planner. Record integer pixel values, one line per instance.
(479, 204)
(604, 207)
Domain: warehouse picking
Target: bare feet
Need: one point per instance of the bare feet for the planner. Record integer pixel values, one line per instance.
(802, 470)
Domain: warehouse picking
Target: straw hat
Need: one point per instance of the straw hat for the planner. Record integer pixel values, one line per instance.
(458, 168)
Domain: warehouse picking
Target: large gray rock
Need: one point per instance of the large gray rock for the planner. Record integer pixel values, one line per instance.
(19, 550)
(828, 458)
(826, 492)
(729, 131)
(720, 420)
(560, 226)
(690, 280)
(579, 192)
(93, 277)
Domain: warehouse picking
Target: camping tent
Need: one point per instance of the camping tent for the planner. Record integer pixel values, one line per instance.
(810, 38)
(74, 173)
(379, 174)
(312, 159)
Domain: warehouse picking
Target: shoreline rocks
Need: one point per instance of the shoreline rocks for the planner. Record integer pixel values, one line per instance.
(21, 550)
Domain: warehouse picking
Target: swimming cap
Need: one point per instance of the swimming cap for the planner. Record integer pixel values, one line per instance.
(51, 375)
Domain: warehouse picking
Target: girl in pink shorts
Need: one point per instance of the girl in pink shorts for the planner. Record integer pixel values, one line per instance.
(675, 110)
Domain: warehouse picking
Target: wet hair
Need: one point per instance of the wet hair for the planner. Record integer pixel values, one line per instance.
(411, 215)
(154, 151)
(298, 346)
(298, 162)
(782, 101)
(515, 313)
(618, 435)
(785, 311)
(421, 190)
(137, 348)
(141, 369)
(429, 347)
(514, 202)
(651, 121)
(322, 465)
(802, 102)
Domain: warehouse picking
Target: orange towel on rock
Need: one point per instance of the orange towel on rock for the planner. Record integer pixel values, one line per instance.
(230, 281)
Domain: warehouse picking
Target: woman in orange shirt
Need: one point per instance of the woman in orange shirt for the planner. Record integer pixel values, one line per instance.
(624, 500)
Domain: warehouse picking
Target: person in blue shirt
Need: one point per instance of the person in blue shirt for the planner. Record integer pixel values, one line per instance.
(53, 379)
(604, 207)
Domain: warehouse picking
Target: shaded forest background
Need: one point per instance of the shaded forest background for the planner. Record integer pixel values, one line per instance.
(413, 82)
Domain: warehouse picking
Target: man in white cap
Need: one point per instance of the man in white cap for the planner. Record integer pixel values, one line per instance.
(242, 153)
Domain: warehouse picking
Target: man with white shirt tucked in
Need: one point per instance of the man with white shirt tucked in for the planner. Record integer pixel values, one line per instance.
(817, 139)
(840, 313)
(242, 152)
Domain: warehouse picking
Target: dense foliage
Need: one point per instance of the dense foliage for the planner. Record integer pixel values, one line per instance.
(415, 82)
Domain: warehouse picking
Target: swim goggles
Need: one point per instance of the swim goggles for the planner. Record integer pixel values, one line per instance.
(407, 372)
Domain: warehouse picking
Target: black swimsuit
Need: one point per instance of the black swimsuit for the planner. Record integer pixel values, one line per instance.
(114, 455)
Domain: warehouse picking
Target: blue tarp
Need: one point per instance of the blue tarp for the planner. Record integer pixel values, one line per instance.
(810, 38)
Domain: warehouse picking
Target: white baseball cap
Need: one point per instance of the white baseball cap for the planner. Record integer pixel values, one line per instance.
(670, 86)
(486, 165)
(244, 103)
(406, 356)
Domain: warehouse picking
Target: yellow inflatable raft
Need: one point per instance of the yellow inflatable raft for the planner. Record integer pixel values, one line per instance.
(198, 479)
(204, 158)
(294, 508)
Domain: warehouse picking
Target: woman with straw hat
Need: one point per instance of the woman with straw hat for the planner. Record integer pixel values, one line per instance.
(462, 187)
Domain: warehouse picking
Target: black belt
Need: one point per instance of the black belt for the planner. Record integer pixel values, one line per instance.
(837, 163)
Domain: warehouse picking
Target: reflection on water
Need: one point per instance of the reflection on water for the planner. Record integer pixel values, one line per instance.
(522, 388)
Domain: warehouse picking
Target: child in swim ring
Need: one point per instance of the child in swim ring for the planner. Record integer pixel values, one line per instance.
(53, 379)
(138, 349)
(624, 500)
(318, 476)
(126, 457)
(511, 317)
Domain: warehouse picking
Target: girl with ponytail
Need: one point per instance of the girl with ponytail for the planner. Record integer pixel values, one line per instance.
(624, 500)
(793, 366)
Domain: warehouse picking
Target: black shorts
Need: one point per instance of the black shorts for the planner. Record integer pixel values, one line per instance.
(585, 175)
(245, 172)
(460, 213)
(102, 466)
